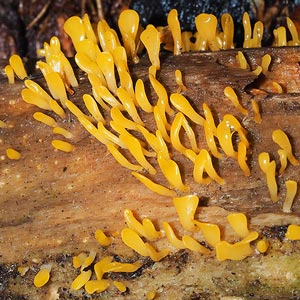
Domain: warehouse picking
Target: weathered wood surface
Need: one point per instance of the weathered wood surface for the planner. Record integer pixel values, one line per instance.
(52, 202)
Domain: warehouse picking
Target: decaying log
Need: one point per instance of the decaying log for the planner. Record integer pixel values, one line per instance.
(52, 202)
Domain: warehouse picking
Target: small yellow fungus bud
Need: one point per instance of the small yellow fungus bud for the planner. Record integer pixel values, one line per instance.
(256, 111)
(43, 276)
(62, 146)
(277, 87)
(171, 171)
(9, 72)
(178, 78)
(281, 139)
(96, 286)
(99, 266)
(88, 260)
(89, 31)
(156, 255)
(17, 64)
(206, 25)
(293, 31)
(155, 187)
(247, 30)
(242, 158)
(231, 95)
(43, 118)
(183, 105)
(62, 131)
(81, 280)
(32, 97)
(106, 63)
(128, 23)
(283, 160)
(262, 246)
(211, 232)
(135, 148)
(174, 26)
(74, 27)
(291, 190)
(78, 260)
(237, 251)
(238, 222)
(133, 241)
(13, 154)
(228, 31)
(269, 168)
(186, 208)
(141, 97)
(203, 163)
(265, 63)
(242, 61)
(23, 270)
(257, 71)
(280, 37)
(151, 40)
(173, 239)
(102, 239)
(193, 245)
(258, 31)
(56, 87)
(293, 232)
(120, 286)
(128, 104)
(151, 295)
(121, 159)
(120, 58)
(162, 146)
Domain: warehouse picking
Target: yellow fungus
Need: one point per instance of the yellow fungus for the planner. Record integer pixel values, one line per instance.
(44, 68)
(135, 148)
(242, 158)
(186, 208)
(13, 154)
(206, 25)
(257, 71)
(141, 97)
(262, 246)
(134, 241)
(56, 87)
(43, 118)
(74, 27)
(151, 40)
(269, 168)
(179, 122)
(127, 84)
(211, 232)
(22, 270)
(174, 26)
(242, 61)
(43, 276)
(119, 118)
(17, 64)
(78, 260)
(156, 255)
(239, 223)
(257, 35)
(74, 109)
(150, 138)
(278, 87)
(183, 105)
(210, 139)
(192, 244)
(280, 37)
(120, 58)
(128, 104)
(106, 63)
(283, 160)
(293, 232)
(2, 124)
(32, 97)
(101, 92)
(102, 239)
(62, 145)
(256, 111)
(128, 23)
(231, 95)
(88, 260)
(247, 30)
(121, 159)
(151, 295)
(9, 72)
(173, 239)
(109, 136)
(178, 78)
(155, 187)
(162, 146)
(81, 280)
(62, 131)
(93, 286)
(225, 139)
(89, 31)
(57, 108)
(99, 266)
(293, 31)
(291, 190)
(228, 31)
(161, 122)
(282, 140)
(171, 171)
(236, 251)
(265, 63)
(203, 163)
(120, 286)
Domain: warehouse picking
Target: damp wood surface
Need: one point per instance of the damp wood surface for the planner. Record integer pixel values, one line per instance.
(52, 202)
